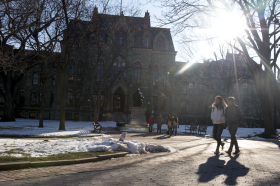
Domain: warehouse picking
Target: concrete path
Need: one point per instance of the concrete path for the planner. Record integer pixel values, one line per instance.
(194, 164)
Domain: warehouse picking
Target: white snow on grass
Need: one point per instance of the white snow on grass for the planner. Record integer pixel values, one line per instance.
(41, 148)
(241, 132)
(83, 128)
(30, 128)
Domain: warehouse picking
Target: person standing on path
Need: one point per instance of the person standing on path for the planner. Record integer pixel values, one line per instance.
(233, 117)
(167, 120)
(151, 123)
(175, 124)
(160, 121)
(169, 125)
(218, 119)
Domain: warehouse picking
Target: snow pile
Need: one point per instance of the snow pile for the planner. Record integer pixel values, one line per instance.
(40, 148)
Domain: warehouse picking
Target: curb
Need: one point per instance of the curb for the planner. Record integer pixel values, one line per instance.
(27, 164)
(27, 136)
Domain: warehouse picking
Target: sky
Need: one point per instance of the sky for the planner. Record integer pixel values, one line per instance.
(156, 11)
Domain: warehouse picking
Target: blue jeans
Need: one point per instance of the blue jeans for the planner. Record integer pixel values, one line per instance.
(232, 130)
(217, 132)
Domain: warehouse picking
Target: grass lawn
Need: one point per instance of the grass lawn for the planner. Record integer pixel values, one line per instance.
(67, 156)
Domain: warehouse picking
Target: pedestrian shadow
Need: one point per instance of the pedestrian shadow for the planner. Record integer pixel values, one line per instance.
(215, 167)
(234, 170)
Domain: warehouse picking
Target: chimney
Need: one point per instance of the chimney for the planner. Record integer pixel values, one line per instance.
(147, 22)
(95, 11)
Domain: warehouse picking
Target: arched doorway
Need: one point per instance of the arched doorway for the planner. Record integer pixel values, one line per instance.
(118, 100)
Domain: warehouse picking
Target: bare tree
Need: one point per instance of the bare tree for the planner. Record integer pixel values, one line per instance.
(22, 23)
(188, 15)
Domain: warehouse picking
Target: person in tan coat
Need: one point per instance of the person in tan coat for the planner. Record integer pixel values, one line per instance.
(160, 122)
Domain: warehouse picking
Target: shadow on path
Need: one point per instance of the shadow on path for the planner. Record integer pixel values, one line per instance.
(215, 167)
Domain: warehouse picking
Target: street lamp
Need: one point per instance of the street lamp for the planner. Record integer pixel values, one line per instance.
(88, 109)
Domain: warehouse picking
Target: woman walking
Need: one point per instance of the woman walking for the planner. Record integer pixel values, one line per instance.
(218, 119)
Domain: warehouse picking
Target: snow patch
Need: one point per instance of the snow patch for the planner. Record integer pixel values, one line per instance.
(39, 148)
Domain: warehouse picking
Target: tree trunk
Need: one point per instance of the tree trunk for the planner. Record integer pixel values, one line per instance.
(41, 125)
(266, 107)
(9, 111)
(97, 108)
(62, 97)
(275, 92)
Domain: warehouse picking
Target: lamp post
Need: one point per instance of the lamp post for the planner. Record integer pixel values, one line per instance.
(88, 109)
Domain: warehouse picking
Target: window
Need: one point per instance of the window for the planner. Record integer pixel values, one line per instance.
(162, 103)
(119, 65)
(78, 98)
(184, 88)
(54, 79)
(124, 39)
(160, 43)
(190, 108)
(2, 101)
(69, 98)
(21, 97)
(137, 71)
(40, 99)
(32, 115)
(117, 39)
(71, 70)
(164, 76)
(104, 36)
(51, 99)
(138, 40)
(93, 38)
(35, 80)
(102, 96)
(155, 75)
(155, 103)
(147, 41)
(201, 88)
(34, 99)
(95, 95)
(183, 105)
(190, 88)
(100, 68)
(80, 70)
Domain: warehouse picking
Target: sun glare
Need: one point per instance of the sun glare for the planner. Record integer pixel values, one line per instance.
(228, 24)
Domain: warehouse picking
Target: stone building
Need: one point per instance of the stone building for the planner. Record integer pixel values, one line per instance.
(111, 56)
(134, 55)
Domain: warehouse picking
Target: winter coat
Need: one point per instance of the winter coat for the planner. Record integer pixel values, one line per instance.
(169, 123)
(160, 121)
(233, 115)
(151, 121)
(175, 122)
(218, 115)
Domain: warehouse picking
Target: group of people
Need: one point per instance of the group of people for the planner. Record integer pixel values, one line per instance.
(172, 123)
(224, 115)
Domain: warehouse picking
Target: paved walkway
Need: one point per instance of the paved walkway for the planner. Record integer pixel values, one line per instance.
(195, 164)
